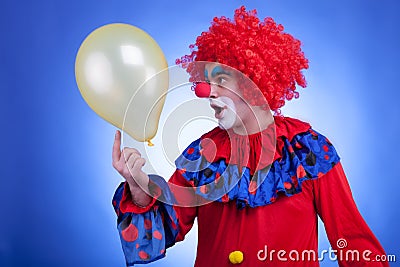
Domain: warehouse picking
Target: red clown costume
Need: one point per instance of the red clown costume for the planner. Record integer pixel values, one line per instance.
(255, 211)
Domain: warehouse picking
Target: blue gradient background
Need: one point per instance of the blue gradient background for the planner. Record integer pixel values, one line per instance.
(56, 175)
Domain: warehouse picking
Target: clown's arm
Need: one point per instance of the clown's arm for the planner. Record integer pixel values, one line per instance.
(147, 225)
(347, 231)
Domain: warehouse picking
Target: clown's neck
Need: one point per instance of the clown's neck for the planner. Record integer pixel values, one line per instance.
(258, 121)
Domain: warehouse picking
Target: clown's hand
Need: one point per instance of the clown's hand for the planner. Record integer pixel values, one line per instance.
(129, 163)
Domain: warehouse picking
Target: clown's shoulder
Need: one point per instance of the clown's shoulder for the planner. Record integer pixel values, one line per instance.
(301, 154)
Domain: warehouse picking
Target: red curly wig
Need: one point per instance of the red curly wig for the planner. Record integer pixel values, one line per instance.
(272, 59)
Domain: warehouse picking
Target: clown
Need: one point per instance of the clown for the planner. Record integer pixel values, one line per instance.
(255, 183)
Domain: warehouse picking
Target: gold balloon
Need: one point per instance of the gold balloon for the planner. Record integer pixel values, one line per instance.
(122, 73)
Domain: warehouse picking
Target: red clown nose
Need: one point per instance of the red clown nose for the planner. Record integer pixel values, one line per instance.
(202, 89)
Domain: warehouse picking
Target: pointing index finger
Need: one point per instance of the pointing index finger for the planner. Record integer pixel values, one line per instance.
(116, 153)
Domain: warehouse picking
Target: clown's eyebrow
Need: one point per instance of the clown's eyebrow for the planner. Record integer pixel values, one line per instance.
(219, 70)
(206, 74)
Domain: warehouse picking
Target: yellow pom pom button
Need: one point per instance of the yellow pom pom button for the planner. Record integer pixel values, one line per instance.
(236, 257)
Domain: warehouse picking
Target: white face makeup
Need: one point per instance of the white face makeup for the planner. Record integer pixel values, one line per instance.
(225, 111)
(224, 96)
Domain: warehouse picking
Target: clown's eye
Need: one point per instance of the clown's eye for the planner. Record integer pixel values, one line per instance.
(221, 80)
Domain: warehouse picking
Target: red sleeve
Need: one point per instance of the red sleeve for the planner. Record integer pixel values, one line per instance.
(127, 205)
(186, 210)
(337, 209)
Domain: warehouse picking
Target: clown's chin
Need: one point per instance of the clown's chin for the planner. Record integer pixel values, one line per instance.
(228, 119)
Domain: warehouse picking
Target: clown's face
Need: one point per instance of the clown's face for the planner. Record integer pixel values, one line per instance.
(231, 109)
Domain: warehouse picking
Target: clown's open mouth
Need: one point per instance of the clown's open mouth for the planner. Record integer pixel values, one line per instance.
(219, 108)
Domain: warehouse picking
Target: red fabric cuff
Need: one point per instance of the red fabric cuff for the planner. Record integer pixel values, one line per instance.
(127, 204)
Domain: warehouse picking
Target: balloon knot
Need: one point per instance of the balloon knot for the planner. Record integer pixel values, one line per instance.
(149, 143)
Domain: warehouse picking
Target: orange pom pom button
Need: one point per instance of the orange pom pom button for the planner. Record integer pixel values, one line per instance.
(236, 257)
